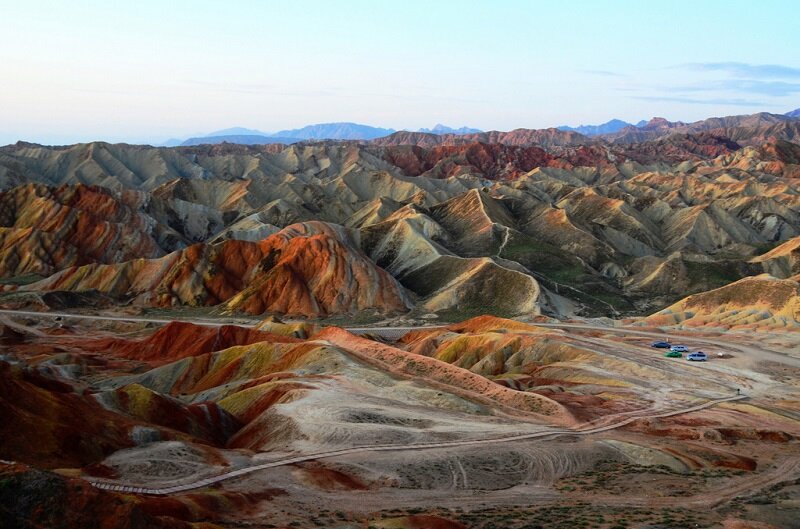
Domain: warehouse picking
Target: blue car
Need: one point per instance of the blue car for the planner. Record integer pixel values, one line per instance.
(699, 356)
(660, 345)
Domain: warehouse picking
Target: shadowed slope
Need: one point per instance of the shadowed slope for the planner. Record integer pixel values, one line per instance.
(49, 422)
(782, 261)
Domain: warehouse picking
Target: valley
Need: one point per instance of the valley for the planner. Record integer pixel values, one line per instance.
(442, 421)
(413, 331)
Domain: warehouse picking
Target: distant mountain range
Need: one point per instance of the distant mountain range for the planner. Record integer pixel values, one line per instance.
(321, 131)
(335, 131)
(615, 130)
(444, 129)
(615, 125)
(241, 139)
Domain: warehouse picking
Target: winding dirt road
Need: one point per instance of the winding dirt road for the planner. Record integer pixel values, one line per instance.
(788, 470)
(396, 332)
(119, 487)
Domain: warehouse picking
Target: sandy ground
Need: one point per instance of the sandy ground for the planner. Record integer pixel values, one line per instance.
(736, 461)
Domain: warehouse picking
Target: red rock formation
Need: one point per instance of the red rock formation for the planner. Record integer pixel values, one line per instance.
(310, 269)
(44, 229)
(178, 340)
(316, 271)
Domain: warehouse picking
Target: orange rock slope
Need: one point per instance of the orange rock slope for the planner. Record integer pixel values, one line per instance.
(44, 229)
(311, 269)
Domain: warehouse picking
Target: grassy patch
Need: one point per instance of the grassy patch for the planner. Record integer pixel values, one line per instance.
(621, 478)
(543, 258)
(579, 515)
(364, 317)
(711, 275)
(26, 279)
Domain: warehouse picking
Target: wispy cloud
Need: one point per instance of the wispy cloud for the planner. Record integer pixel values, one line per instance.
(730, 83)
(713, 101)
(747, 86)
(603, 73)
(741, 69)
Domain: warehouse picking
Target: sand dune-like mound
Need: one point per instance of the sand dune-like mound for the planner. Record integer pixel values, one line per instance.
(474, 286)
(524, 356)
(761, 302)
(455, 379)
(247, 379)
(487, 323)
(204, 421)
(274, 325)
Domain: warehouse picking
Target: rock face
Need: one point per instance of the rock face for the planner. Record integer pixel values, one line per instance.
(519, 137)
(317, 270)
(47, 423)
(508, 223)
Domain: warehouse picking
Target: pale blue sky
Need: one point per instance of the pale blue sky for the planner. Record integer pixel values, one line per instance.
(149, 70)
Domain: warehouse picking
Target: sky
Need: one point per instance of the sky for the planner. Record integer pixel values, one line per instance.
(149, 70)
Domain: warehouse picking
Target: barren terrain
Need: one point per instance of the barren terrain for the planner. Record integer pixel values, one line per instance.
(339, 431)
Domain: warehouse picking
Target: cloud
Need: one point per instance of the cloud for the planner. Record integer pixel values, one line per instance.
(693, 101)
(741, 69)
(602, 73)
(748, 86)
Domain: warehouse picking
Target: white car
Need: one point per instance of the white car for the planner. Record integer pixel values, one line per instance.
(679, 349)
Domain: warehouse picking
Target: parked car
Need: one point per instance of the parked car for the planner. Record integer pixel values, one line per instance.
(673, 354)
(679, 349)
(698, 356)
(660, 345)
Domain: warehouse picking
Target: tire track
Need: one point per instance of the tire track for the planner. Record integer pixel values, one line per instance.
(118, 487)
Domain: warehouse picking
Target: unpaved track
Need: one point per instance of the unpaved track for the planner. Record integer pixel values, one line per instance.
(786, 471)
(761, 353)
(118, 487)
(126, 319)
(396, 332)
